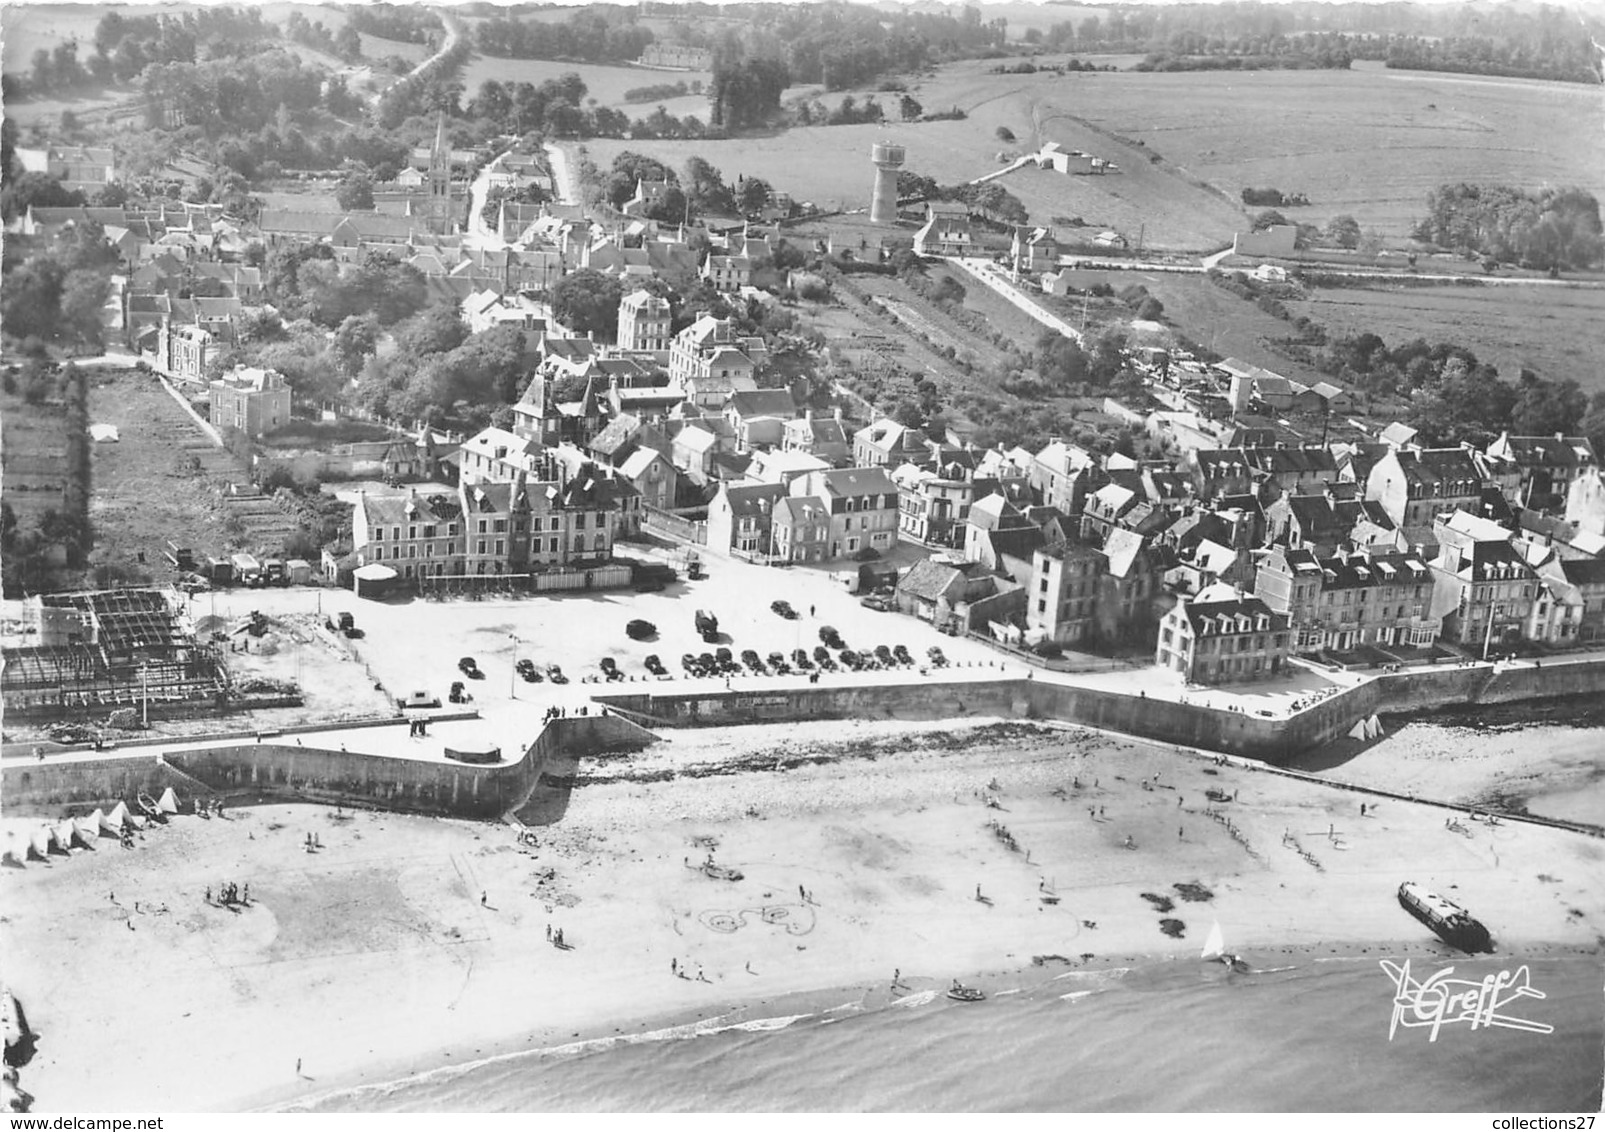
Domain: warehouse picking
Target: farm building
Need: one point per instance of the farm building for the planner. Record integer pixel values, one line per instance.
(1069, 161)
(1277, 240)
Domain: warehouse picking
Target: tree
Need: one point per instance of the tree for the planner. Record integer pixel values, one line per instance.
(1465, 402)
(1267, 219)
(354, 342)
(354, 193)
(704, 187)
(753, 195)
(83, 302)
(587, 300)
(910, 109)
(1344, 231)
(1547, 408)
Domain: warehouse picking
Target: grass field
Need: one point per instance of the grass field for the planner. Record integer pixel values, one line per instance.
(605, 84)
(1369, 142)
(140, 498)
(1558, 332)
(33, 438)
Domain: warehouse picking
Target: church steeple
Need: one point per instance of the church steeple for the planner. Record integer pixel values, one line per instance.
(442, 218)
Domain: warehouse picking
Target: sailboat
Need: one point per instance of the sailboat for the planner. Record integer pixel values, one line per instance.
(1215, 949)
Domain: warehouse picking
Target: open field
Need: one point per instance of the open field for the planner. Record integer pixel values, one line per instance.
(603, 83)
(139, 497)
(33, 440)
(1368, 142)
(1558, 332)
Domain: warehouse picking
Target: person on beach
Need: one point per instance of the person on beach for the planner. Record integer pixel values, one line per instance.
(298, 1067)
(548, 933)
(674, 966)
(484, 898)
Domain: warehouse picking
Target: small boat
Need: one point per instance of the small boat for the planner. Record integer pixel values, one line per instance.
(961, 993)
(1448, 920)
(719, 872)
(1215, 949)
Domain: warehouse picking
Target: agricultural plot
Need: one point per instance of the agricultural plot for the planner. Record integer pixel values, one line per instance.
(605, 84)
(1369, 142)
(34, 440)
(1558, 332)
(146, 489)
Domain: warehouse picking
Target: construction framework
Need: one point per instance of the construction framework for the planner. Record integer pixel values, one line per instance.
(128, 648)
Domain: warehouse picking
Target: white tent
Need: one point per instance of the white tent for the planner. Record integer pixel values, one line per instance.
(15, 852)
(138, 821)
(97, 820)
(1376, 727)
(66, 833)
(53, 839)
(168, 804)
(114, 821)
(1359, 731)
(87, 831)
(39, 842)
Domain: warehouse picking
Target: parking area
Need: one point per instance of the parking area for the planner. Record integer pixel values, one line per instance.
(415, 645)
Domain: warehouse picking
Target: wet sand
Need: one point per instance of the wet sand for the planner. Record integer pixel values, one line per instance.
(409, 943)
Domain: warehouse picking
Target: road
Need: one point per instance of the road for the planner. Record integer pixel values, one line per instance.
(989, 273)
(454, 32)
(480, 235)
(562, 177)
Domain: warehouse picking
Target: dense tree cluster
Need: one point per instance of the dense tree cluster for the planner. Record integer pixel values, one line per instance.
(595, 35)
(842, 46)
(55, 291)
(441, 371)
(658, 91)
(746, 92)
(220, 96)
(555, 106)
(125, 45)
(433, 88)
(306, 282)
(587, 302)
(345, 44)
(408, 23)
(1549, 229)
(1546, 42)
(1273, 198)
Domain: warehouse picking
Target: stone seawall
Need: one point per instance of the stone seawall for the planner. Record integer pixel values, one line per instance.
(312, 773)
(1272, 738)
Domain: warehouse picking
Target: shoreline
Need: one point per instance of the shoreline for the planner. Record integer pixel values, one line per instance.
(423, 939)
(846, 1000)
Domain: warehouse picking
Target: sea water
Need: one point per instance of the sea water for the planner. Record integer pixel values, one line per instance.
(1171, 1036)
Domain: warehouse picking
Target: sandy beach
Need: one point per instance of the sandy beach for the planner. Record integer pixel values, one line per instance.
(410, 943)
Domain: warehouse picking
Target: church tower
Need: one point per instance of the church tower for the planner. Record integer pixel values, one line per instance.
(442, 215)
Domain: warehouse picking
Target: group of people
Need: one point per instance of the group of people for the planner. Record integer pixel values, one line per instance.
(555, 938)
(416, 728)
(209, 807)
(683, 970)
(559, 712)
(313, 843)
(230, 893)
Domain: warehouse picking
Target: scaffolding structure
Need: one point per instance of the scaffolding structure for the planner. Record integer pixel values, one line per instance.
(131, 648)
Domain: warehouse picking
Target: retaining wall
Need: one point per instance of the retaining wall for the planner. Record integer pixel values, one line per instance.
(287, 770)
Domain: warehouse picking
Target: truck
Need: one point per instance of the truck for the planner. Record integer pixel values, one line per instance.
(273, 571)
(181, 557)
(707, 625)
(247, 570)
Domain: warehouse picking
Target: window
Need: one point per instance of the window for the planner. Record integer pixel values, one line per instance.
(501, 526)
(552, 549)
(412, 532)
(395, 534)
(579, 520)
(1042, 606)
(378, 553)
(481, 527)
(579, 544)
(599, 542)
(501, 546)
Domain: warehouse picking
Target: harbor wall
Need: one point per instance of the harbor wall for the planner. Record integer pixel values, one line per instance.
(277, 769)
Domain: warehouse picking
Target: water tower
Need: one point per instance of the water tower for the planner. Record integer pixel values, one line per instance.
(888, 159)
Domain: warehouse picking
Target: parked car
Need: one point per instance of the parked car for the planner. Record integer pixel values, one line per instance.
(458, 695)
(526, 669)
(902, 654)
(777, 661)
(851, 659)
(749, 657)
(878, 602)
(691, 664)
(938, 658)
(799, 657)
(655, 666)
(610, 668)
(419, 700)
(829, 635)
(469, 668)
(639, 630)
(707, 626)
(710, 665)
(555, 674)
(784, 609)
(883, 654)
